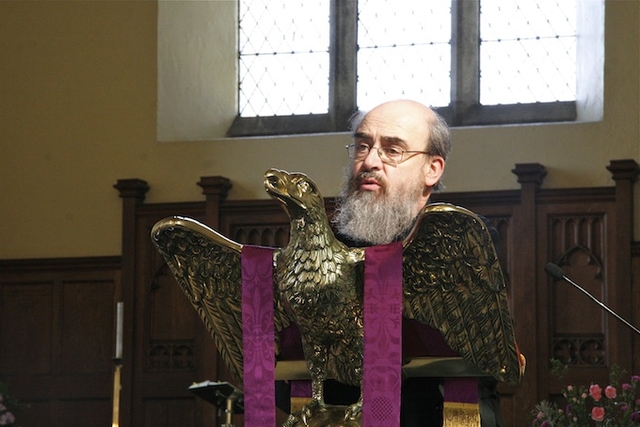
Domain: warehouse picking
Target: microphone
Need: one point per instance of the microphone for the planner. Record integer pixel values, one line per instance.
(556, 272)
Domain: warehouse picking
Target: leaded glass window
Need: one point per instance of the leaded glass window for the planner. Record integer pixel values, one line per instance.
(306, 66)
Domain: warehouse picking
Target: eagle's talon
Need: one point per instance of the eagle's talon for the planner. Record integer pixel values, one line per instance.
(353, 411)
(302, 417)
(291, 421)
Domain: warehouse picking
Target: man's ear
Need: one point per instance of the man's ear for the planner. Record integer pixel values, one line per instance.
(434, 168)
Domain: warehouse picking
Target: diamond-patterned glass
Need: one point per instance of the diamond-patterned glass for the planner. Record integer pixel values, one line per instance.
(404, 51)
(284, 57)
(527, 51)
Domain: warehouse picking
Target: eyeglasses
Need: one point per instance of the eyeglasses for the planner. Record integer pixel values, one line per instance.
(391, 154)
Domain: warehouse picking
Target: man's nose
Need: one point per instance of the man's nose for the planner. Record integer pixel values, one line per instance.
(372, 160)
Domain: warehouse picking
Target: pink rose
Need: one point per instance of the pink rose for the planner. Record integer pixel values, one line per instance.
(596, 392)
(610, 392)
(597, 413)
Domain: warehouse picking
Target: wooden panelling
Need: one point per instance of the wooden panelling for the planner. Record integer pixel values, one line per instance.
(577, 237)
(169, 344)
(57, 316)
(635, 302)
(27, 311)
(170, 412)
(57, 339)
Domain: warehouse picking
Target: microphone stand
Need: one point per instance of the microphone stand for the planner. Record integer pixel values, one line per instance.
(556, 272)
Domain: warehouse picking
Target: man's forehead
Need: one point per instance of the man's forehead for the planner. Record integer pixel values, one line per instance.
(378, 124)
(384, 139)
(402, 130)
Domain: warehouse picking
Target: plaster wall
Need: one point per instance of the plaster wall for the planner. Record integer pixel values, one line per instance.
(79, 90)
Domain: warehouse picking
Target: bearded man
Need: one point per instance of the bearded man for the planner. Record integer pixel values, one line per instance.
(399, 153)
(398, 157)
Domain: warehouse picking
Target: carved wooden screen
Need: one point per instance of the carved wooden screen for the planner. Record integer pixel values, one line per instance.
(535, 226)
(57, 321)
(61, 364)
(166, 346)
(583, 239)
(169, 340)
(257, 223)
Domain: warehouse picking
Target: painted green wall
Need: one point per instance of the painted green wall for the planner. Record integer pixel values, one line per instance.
(78, 91)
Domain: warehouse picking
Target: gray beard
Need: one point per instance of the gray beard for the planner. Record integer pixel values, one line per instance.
(368, 218)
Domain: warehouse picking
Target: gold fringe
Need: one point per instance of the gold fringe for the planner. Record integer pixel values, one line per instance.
(461, 414)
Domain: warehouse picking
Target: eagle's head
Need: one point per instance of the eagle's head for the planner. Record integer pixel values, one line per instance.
(297, 192)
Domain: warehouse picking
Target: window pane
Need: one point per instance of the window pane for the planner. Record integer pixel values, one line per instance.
(404, 51)
(404, 72)
(525, 54)
(527, 51)
(284, 57)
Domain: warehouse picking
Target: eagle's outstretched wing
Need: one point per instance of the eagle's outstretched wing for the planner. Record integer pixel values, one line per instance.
(454, 283)
(208, 268)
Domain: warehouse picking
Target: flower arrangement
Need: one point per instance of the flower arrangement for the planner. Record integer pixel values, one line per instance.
(616, 405)
(6, 415)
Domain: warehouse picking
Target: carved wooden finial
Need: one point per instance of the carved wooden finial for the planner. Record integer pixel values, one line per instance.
(132, 188)
(626, 169)
(530, 173)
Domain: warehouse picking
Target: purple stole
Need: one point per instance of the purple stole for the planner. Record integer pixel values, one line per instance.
(258, 337)
(382, 358)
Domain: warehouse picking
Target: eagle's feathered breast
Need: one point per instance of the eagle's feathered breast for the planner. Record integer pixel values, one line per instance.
(316, 275)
